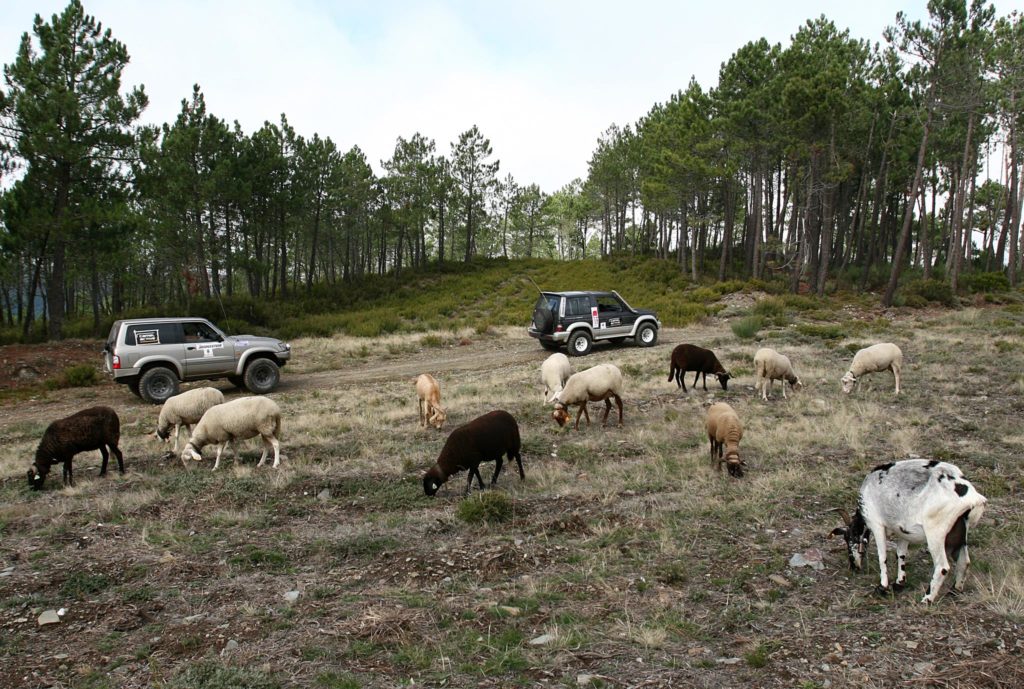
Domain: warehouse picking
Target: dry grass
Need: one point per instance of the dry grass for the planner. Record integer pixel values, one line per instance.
(645, 566)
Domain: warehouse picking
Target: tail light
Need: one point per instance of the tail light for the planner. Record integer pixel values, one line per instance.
(559, 328)
(115, 362)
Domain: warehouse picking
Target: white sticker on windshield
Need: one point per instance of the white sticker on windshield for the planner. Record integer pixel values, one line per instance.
(147, 337)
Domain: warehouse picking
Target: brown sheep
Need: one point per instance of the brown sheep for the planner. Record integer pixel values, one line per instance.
(688, 357)
(484, 439)
(95, 428)
(725, 430)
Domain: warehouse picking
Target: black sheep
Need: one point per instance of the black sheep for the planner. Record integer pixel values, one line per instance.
(95, 428)
(688, 357)
(484, 439)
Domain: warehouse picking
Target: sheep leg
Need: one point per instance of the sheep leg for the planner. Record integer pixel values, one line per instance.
(956, 550)
(220, 448)
(474, 471)
(581, 412)
(270, 442)
(68, 477)
(607, 408)
(784, 389)
(106, 458)
(696, 376)
(618, 403)
(120, 458)
(423, 418)
(519, 461)
(937, 547)
(497, 469)
(883, 572)
(902, 547)
(896, 376)
(177, 428)
(681, 379)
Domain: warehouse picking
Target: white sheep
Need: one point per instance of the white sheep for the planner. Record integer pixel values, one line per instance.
(600, 383)
(724, 433)
(239, 419)
(428, 390)
(185, 410)
(914, 501)
(879, 357)
(770, 366)
(555, 370)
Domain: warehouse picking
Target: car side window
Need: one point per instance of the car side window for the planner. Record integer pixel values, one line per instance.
(199, 332)
(152, 334)
(578, 306)
(608, 304)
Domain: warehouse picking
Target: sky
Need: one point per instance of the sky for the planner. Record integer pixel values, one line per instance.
(541, 79)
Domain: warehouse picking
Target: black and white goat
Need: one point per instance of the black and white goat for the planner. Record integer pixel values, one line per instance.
(914, 501)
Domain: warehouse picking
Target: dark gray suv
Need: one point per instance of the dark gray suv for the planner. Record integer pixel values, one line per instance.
(153, 355)
(578, 319)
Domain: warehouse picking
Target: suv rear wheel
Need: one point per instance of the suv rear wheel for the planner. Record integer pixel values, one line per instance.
(262, 376)
(647, 335)
(158, 384)
(580, 343)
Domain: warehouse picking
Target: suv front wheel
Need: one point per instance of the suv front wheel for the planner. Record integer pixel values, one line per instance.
(580, 343)
(158, 384)
(647, 335)
(262, 376)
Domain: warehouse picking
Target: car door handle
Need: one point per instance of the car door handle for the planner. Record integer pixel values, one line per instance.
(189, 347)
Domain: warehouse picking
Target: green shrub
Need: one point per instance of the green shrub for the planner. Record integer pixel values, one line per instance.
(77, 376)
(489, 506)
(773, 310)
(915, 301)
(824, 331)
(931, 290)
(729, 286)
(210, 674)
(985, 282)
(746, 328)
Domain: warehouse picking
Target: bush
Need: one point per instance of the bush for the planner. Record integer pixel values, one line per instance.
(210, 674)
(490, 507)
(824, 331)
(985, 282)
(773, 310)
(746, 328)
(930, 290)
(78, 376)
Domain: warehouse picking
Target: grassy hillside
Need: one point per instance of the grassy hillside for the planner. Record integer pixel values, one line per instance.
(622, 560)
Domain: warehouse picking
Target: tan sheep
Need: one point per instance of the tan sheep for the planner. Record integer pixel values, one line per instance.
(428, 390)
(879, 357)
(770, 366)
(602, 383)
(725, 430)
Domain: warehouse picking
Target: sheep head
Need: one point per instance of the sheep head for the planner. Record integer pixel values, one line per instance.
(734, 464)
(723, 378)
(795, 384)
(561, 414)
(190, 453)
(438, 417)
(36, 477)
(433, 480)
(848, 380)
(856, 535)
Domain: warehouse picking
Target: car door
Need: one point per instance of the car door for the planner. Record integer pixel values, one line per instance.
(614, 318)
(206, 354)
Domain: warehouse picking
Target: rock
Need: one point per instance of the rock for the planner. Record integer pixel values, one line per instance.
(780, 580)
(62, 612)
(514, 612)
(230, 646)
(922, 668)
(811, 557)
(324, 495)
(910, 644)
(584, 680)
(291, 596)
(48, 617)
(728, 661)
(542, 639)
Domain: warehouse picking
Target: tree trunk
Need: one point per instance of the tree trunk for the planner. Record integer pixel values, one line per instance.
(958, 210)
(908, 216)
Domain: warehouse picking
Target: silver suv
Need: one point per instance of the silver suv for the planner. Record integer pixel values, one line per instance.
(153, 355)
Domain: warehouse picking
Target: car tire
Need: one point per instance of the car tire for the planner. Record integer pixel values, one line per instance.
(133, 385)
(543, 319)
(262, 376)
(237, 381)
(646, 336)
(158, 384)
(580, 343)
(550, 346)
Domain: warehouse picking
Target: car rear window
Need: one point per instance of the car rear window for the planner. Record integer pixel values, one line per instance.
(548, 301)
(153, 334)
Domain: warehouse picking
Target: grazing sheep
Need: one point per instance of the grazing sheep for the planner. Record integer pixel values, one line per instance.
(95, 428)
(688, 357)
(879, 357)
(428, 390)
(239, 419)
(484, 439)
(185, 410)
(914, 501)
(770, 366)
(600, 383)
(725, 431)
(555, 370)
